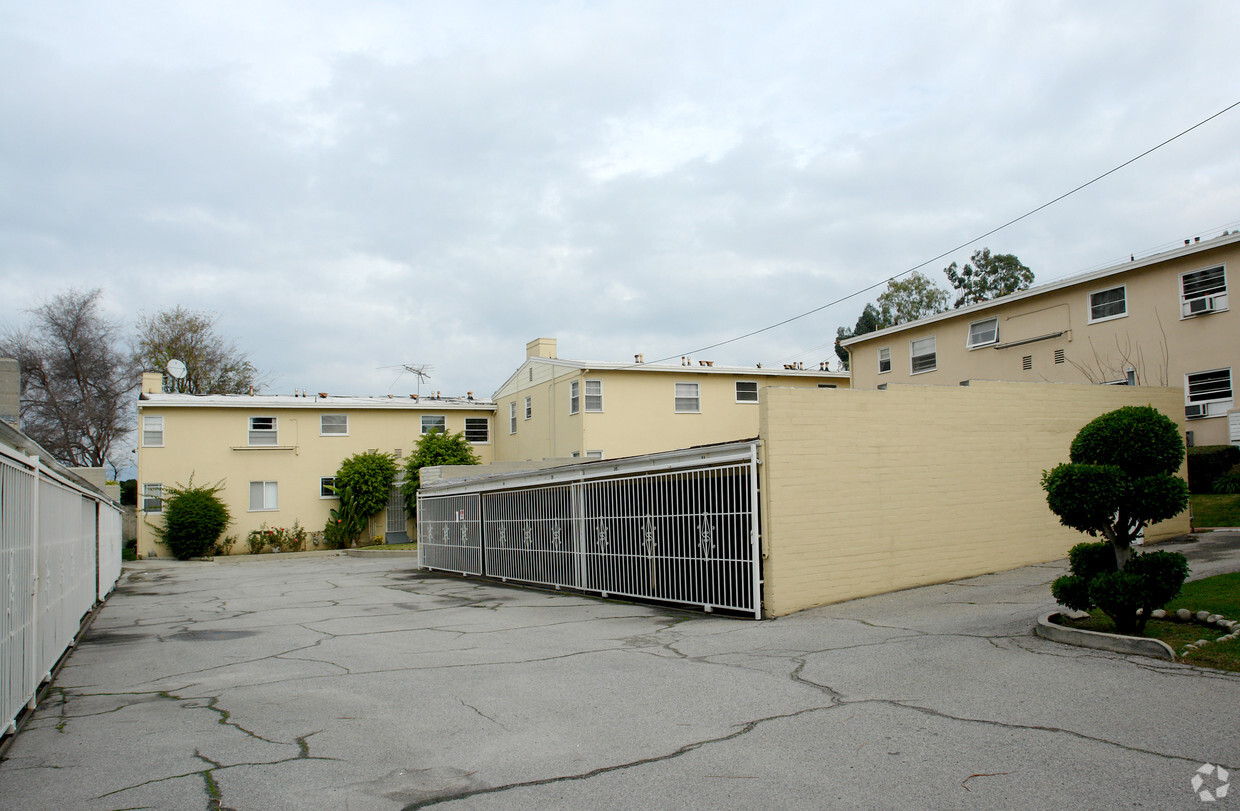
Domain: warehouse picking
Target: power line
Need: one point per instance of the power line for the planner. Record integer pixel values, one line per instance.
(978, 238)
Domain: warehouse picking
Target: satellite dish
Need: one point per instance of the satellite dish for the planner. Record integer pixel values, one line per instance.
(176, 368)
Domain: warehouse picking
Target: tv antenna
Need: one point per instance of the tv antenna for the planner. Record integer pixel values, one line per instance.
(422, 371)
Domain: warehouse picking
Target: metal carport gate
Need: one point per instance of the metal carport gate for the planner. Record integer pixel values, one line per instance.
(679, 527)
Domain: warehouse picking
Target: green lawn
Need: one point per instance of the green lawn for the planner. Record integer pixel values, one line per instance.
(1216, 510)
(1218, 595)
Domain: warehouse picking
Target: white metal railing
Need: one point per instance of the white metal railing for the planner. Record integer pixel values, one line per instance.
(685, 535)
(60, 552)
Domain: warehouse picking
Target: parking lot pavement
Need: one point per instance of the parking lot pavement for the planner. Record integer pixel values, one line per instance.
(365, 684)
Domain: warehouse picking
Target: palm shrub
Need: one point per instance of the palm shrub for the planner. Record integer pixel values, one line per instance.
(194, 519)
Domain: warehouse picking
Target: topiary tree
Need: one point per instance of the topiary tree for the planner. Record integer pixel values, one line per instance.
(434, 448)
(1121, 478)
(363, 485)
(194, 519)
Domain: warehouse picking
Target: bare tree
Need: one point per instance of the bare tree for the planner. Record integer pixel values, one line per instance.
(75, 383)
(213, 365)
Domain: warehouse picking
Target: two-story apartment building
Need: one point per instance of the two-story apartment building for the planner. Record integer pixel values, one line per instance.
(276, 455)
(555, 408)
(1161, 320)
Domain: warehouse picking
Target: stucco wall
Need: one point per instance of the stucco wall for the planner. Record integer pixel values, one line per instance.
(865, 492)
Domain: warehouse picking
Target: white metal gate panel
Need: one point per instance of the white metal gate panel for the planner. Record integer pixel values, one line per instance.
(66, 570)
(680, 527)
(110, 543)
(18, 533)
(449, 533)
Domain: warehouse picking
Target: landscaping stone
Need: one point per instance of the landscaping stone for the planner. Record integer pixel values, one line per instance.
(1159, 614)
(1203, 615)
(1213, 618)
(1184, 614)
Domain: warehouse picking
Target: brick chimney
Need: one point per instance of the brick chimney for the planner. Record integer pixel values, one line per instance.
(10, 392)
(152, 383)
(540, 348)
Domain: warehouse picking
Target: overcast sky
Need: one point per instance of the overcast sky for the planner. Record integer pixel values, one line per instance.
(356, 185)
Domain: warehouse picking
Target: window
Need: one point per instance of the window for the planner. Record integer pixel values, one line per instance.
(434, 422)
(574, 397)
(263, 431)
(529, 408)
(594, 454)
(746, 391)
(263, 496)
(152, 432)
(512, 417)
(1203, 291)
(477, 429)
(333, 425)
(594, 395)
(688, 398)
(884, 360)
(984, 333)
(153, 497)
(326, 483)
(1208, 393)
(921, 353)
(1105, 304)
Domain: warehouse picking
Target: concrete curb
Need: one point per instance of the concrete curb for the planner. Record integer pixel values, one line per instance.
(1137, 645)
(381, 553)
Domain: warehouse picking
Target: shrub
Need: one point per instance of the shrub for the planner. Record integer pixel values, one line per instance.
(363, 485)
(1228, 483)
(1120, 478)
(194, 519)
(286, 540)
(224, 546)
(257, 539)
(1208, 462)
(434, 448)
(1146, 583)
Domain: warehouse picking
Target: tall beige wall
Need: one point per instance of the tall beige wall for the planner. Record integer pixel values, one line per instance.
(865, 492)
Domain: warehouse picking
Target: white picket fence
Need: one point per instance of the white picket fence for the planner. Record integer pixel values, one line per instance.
(60, 552)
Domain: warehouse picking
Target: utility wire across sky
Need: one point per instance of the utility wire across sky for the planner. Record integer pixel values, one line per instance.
(961, 246)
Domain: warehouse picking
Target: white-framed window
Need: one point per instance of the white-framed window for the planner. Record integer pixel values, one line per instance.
(477, 430)
(529, 407)
(594, 454)
(594, 395)
(884, 360)
(152, 432)
(434, 422)
(333, 425)
(922, 357)
(983, 333)
(688, 398)
(1203, 291)
(746, 391)
(1208, 394)
(264, 431)
(512, 417)
(574, 397)
(264, 496)
(326, 483)
(153, 497)
(1107, 304)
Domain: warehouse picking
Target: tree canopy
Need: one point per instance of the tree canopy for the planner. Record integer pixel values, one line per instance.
(987, 277)
(434, 448)
(902, 301)
(75, 382)
(213, 365)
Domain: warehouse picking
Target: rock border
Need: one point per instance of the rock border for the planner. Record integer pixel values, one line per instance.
(1116, 643)
(1202, 618)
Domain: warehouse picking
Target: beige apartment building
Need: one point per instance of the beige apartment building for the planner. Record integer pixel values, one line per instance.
(276, 455)
(1161, 320)
(555, 408)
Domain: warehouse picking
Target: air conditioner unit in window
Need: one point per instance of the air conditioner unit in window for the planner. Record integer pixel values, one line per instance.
(1193, 411)
(1198, 306)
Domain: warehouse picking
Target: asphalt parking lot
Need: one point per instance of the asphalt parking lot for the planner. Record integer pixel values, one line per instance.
(353, 683)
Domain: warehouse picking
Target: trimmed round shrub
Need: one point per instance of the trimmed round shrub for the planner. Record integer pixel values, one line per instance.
(194, 519)
(1141, 440)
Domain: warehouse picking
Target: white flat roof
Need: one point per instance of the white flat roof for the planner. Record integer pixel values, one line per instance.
(331, 402)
